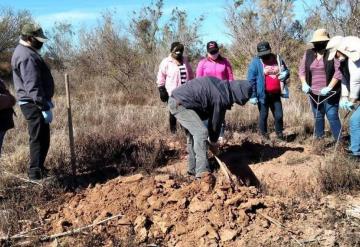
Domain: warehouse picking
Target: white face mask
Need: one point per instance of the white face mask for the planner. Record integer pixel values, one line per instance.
(214, 56)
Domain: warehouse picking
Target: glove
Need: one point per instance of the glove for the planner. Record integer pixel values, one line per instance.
(48, 116)
(305, 88)
(343, 103)
(282, 75)
(325, 91)
(253, 101)
(349, 106)
(164, 96)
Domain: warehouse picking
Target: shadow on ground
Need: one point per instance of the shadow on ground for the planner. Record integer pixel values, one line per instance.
(238, 159)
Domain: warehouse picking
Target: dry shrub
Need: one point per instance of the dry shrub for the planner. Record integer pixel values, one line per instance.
(339, 175)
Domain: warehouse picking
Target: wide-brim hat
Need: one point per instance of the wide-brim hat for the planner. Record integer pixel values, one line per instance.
(34, 30)
(333, 45)
(350, 47)
(320, 35)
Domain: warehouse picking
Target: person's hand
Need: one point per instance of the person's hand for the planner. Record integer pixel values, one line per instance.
(164, 96)
(349, 106)
(48, 116)
(343, 102)
(325, 91)
(253, 101)
(282, 75)
(305, 87)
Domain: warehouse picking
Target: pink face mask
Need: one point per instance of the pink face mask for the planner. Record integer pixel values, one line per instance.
(214, 56)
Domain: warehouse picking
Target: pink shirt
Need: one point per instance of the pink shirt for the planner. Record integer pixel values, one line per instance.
(317, 68)
(220, 69)
(169, 74)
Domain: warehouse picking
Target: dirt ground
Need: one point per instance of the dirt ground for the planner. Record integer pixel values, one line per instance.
(276, 203)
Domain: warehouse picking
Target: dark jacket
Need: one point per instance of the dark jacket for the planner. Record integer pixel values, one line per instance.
(6, 115)
(32, 77)
(256, 76)
(210, 97)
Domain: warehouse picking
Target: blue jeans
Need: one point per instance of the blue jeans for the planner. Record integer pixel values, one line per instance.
(272, 102)
(2, 135)
(197, 135)
(355, 132)
(331, 111)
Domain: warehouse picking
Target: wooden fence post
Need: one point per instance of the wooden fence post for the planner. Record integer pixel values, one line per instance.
(70, 124)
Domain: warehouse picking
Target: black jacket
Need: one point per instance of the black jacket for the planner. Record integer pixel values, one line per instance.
(210, 97)
(6, 115)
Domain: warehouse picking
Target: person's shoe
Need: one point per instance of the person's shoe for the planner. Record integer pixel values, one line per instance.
(280, 137)
(191, 174)
(35, 174)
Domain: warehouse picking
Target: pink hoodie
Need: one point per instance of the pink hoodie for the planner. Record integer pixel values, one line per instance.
(221, 69)
(169, 74)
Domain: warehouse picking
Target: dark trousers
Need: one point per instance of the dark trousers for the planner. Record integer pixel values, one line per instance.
(172, 123)
(39, 133)
(272, 101)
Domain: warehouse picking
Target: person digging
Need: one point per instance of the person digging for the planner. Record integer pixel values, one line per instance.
(199, 99)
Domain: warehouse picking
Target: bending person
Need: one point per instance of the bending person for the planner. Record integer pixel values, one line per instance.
(347, 51)
(200, 99)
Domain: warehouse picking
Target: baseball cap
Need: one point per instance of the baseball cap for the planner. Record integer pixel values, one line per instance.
(34, 30)
(263, 48)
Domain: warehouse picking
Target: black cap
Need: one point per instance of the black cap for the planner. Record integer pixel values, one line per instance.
(263, 48)
(212, 47)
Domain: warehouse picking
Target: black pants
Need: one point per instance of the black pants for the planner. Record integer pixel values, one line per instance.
(39, 133)
(272, 101)
(172, 123)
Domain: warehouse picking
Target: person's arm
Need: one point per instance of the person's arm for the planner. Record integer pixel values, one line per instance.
(252, 75)
(229, 71)
(215, 120)
(354, 69)
(337, 74)
(285, 70)
(200, 68)
(30, 75)
(302, 72)
(161, 76)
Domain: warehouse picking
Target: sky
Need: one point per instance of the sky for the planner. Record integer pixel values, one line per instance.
(87, 12)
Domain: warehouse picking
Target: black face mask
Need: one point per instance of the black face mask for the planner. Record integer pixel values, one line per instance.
(266, 57)
(36, 44)
(320, 46)
(178, 55)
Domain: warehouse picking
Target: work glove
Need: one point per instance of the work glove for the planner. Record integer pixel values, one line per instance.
(282, 75)
(253, 101)
(343, 102)
(325, 91)
(305, 88)
(349, 106)
(164, 96)
(48, 116)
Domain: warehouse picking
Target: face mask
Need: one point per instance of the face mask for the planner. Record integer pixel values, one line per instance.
(266, 57)
(36, 44)
(214, 56)
(320, 46)
(177, 55)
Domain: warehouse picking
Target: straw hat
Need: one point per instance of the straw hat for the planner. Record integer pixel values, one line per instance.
(320, 35)
(350, 47)
(333, 45)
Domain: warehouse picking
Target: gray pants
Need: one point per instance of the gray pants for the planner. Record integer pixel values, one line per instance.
(197, 135)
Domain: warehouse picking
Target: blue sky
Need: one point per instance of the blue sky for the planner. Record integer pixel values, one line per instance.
(86, 12)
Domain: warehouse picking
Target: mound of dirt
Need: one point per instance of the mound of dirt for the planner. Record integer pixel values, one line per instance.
(170, 209)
